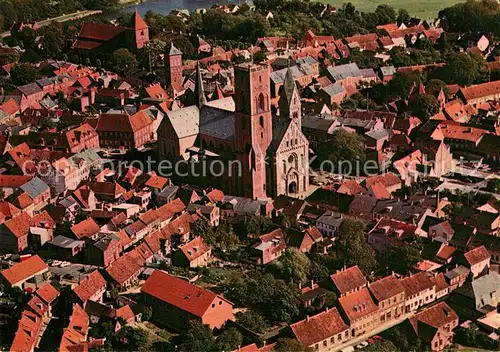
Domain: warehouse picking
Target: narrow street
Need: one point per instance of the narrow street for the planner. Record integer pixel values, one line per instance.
(378, 330)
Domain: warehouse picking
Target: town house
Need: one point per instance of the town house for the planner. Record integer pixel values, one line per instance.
(389, 295)
(176, 302)
(419, 290)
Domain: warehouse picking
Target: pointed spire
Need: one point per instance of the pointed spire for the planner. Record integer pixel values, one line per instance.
(441, 97)
(174, 51)
(289, 85)
(200, 91)
(136, 21)
(421, 88)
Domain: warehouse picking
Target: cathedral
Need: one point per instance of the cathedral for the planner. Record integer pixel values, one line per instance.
(270, 149)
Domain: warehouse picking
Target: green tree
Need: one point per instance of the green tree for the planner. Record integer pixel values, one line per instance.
(131, 339)
(197, 337)
(258, 225)
(9, 56)
(293, 266)
(425, 106)
(400, 86)
(22, 74)
(124, 61)
(386, 14)
(381, 346)
(435, 85)
(403, 16)
(352, 248)
(463, 69)
(340, 147)
(493, 185)
(402, 259)
(147, 313)
(229, 340)
(288, 345)
(275, 299)
(252, 321)
(153, 51)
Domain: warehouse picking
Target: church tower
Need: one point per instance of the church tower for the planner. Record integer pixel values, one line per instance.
(289, 102)
(253, 107)
(253, 130)
(140, 31)
(175, 68)
(199, 90)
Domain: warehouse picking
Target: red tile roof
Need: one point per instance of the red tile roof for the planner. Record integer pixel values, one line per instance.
(156, 181)
(416, 283)
(20, 225)
(38, 306)
(440, 282)
(22, 271)
(127, 266)
(446, 252)
(8, 209)
(99, 31)
(436, 316)
(156, 91)
(27, 332)
(349, 279)
(388, 179)
(314, 233)
(75, 335)
(123, 122)
(351, 187)
(477, 255)
(379, 191)
(481, 90)
(320, 327)
(85, 228)
(386, 288)
(195, 248)
(92, 284)
(47, 293)
(44, 220)
(86, 44)
(125, 313)
(179, 293)
(13, 181)
(357, 304)
(136, 22)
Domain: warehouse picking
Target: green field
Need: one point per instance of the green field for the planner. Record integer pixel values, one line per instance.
(419, 8)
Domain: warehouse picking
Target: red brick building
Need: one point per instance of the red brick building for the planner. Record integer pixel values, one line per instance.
(176, 302)
(124, 131)
(14, 233)
(105, 38)
(195, 253)
(92, 288)
(322, 332)
(434, 326)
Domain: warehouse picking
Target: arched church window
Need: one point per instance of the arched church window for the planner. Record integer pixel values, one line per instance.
(261, 121)
(284, 166)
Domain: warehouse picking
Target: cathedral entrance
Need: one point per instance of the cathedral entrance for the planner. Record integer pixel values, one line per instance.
(292, 187)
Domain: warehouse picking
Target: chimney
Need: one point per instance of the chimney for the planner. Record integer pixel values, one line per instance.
(307, 317)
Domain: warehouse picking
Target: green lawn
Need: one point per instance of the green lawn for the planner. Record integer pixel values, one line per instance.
(418, 8)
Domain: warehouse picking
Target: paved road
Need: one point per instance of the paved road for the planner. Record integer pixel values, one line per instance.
(63, 18)
(378, 330)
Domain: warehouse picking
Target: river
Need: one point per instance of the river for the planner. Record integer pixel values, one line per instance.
(166, 6)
